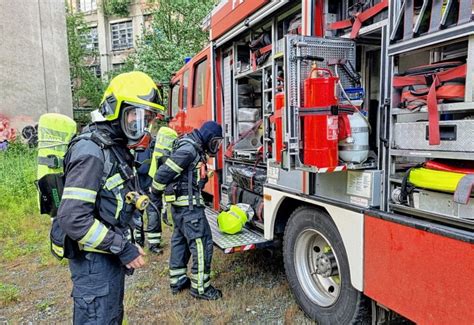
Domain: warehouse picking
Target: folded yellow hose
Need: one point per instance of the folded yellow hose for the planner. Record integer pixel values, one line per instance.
(434, 179)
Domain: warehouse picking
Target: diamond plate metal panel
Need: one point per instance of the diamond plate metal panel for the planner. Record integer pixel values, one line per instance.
(329, 49)
(227, 108)
(443, 204)
(412, 135)
(246, 237)
(227, 95)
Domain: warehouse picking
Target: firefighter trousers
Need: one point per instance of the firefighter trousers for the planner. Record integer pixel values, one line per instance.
(191, 237)
(153, 229)
(98, 288)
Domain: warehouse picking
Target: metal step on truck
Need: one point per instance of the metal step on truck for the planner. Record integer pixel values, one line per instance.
(348, 131)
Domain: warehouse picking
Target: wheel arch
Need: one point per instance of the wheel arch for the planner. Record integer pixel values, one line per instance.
(350, 225)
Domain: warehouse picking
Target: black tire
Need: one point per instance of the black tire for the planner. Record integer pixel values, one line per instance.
(350, 306)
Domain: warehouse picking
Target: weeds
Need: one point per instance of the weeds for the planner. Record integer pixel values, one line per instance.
(44, 305)
(254, 291)
(23, 231)
(8, 294)
(17, 173)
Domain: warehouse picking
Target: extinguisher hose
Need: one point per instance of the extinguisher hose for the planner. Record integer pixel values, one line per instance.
(349, 100)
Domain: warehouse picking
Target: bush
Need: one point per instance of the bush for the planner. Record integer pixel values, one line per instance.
(116, 8)
(17, 172)
(22, 229)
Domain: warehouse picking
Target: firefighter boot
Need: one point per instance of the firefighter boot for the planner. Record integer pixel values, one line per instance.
(155, 249)
(210, 293)
(182, 284)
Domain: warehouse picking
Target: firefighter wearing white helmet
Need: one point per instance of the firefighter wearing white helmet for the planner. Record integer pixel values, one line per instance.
(94, 214)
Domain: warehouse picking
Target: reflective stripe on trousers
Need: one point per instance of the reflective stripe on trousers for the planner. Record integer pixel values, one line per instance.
(154, 238)
(192, 236)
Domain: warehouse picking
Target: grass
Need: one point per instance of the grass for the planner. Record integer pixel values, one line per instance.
(23, 231)
(43, 305)
(8, 294)
(35, 288)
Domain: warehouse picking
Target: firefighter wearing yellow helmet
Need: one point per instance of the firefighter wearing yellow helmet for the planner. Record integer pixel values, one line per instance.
(133, 100)
(95, 215)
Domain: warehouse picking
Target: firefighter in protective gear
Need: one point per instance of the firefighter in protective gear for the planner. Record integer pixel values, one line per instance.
(153, 229)
(93, 211)
(179, 178)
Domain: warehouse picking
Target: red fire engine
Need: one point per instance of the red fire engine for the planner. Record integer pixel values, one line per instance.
(348, 129)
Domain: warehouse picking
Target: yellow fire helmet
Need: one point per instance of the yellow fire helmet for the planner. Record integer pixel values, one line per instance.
(134, 87)
(135, 99)
(232, 221)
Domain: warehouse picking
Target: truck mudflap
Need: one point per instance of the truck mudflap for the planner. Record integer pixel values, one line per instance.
(246, 240)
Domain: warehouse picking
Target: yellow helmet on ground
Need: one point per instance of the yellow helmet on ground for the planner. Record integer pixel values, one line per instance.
(133, 98)
(232, 221)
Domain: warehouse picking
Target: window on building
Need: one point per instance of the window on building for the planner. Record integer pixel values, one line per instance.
(185, 90)
(92, 39)
(117, 66)
(87, 5)
(148, 21)
(175, 99)
(199, 83)
(95, 69)
(122, 35)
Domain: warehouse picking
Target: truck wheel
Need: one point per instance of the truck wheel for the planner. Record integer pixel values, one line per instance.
(318, 271)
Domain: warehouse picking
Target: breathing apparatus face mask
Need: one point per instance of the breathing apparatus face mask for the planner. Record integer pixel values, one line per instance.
(213, 146)
(136, 122)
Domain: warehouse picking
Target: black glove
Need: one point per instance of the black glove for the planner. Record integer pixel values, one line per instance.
(156, 197)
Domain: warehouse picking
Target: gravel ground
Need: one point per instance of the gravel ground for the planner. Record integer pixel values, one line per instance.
(253, 283)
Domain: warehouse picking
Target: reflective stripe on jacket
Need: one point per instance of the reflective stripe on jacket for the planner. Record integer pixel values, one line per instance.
(177, 167)
(91, 210)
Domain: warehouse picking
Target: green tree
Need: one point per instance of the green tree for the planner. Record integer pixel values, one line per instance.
(86, 87)
(118, 8)
(175, 34)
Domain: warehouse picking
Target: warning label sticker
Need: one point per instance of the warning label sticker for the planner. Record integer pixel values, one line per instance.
(359, 201)
(332, 128)
(359, 184)
(273, 173)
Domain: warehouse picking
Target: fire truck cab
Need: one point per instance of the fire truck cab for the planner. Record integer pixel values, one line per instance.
(346, 130)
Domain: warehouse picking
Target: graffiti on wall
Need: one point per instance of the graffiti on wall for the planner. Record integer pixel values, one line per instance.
(7, 133)
(9, 130)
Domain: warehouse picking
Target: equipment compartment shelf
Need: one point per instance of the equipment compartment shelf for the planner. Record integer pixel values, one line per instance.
(245, 162)
(442, 108)
(433, 154)
(249, 74)
(455, 135)
(464, 223)
(442, 36)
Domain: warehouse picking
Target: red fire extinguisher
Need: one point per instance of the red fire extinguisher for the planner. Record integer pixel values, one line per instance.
(277, 119)
(320, 130)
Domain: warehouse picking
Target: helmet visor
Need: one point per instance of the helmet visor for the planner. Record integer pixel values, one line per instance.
(214, 145)
(136, 120)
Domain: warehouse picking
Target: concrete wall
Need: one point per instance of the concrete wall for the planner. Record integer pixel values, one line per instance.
(34, 65)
